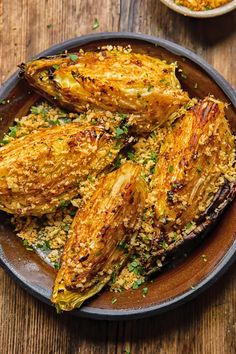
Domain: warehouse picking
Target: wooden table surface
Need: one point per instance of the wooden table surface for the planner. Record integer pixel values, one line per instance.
(206, 325)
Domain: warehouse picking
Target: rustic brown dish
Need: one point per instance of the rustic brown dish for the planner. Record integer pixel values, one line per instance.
(190, 275)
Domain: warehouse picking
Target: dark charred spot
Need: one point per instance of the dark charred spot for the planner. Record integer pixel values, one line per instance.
(138, 63)
(103, 90)
(170, 196)
(166, 155)
(83, 258)
(86, 135)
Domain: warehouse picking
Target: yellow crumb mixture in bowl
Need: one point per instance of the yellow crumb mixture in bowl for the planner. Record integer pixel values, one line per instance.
(201, 8)
(202, 5)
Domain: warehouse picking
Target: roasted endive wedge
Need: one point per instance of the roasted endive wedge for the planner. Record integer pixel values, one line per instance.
(41, 170)
(195, 173)
(92, 253)
(115, 81)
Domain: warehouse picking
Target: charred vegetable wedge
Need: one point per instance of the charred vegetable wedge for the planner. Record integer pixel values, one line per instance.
(114, 80)
(41, 170)
(195, 176)
(92, 253)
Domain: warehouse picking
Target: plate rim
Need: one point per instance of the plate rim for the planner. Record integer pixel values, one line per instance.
(228, 258)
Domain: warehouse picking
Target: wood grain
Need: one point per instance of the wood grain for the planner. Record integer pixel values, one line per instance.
(206, 325)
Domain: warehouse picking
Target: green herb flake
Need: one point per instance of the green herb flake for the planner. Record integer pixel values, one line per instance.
(122, 116)
(73, 57)
(117, 162)
(127, 351)
(66, 228)
(27, 246)
(13, 131)
(153, 156)
(3, 101)
(56, 265)
(163, 245)
(56, 67)
(150, 87)
(189, 225)
(145, 291)
(131, 155)
(199, 169)
(95, 24)
(114, 300)
(34, 110)
(171, 169)
(119, 132)
(64, 204)
(90, 178)
(50, 25)
(137, 284)
(4, 142)
(72, 213)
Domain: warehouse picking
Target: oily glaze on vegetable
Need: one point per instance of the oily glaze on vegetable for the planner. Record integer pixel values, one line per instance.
(41, 170)
(92, 253)
(195, 175)
(116, 81)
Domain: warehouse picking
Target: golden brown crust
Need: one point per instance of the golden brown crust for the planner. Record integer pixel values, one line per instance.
(92, 254)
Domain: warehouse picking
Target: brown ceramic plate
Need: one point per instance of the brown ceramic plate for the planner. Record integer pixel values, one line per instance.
(173, 286)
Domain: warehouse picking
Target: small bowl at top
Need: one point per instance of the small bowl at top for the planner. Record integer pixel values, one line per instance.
(183, 10)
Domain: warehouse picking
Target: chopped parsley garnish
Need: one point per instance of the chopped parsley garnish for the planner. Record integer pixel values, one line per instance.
(120, 131)
(114, 300)
(72, 212)
(189, 226)
(55, 66)
(153, 156)
(27, 246)
(4, 101)
(135, 267)
(150, 87)
(127, 351)
(137, 283)
(95, 24)
(64, 204)
(4, 142)
(131, 155)
(50, 25)
(199, 169)
(123, 116)
(117, 162)
(90, 178)
(56, 265)
(13, 131)
(66, 228)
(45, 246)
(163, 245)
(145, 291)
(171, 168)
(73, 57)
(34, 110)
(123, 245)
